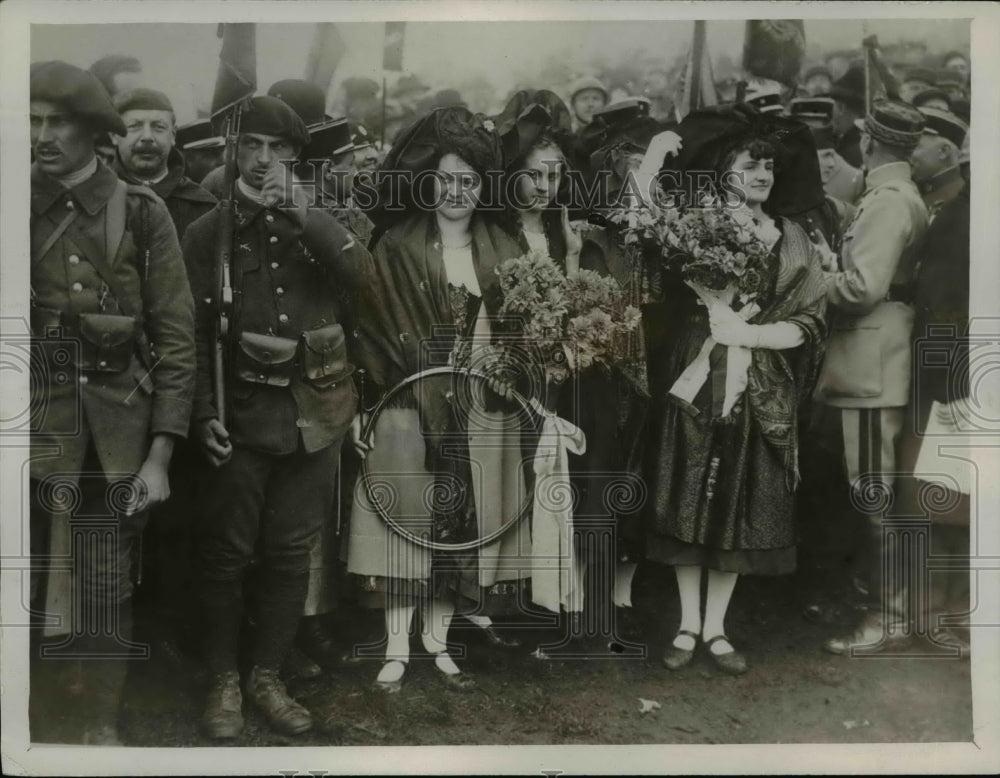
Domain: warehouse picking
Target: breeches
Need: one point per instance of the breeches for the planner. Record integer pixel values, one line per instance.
(266, 504)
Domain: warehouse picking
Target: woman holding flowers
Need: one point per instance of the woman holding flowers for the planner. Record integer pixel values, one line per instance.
(743, 301)
(435, 292)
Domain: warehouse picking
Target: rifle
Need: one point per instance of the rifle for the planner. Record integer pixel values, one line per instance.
(223, 260)
(234, 87)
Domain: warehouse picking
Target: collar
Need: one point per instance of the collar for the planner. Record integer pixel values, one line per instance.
(891, 171)
(91, 195)
(948, 177)
(246, 208)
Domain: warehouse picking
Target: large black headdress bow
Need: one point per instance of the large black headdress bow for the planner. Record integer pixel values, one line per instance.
(708, 134)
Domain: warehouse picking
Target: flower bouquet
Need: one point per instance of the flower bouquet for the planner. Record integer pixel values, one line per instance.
(564, 324)
(716, 250)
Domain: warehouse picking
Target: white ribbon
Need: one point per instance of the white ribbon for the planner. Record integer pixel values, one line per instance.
(738, 359)
(557, 573)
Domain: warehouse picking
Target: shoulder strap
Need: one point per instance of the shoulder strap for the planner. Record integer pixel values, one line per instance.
(114, 230)
(54, 235)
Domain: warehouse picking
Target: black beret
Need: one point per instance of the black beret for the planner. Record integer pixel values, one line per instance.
(303, 97)
(270, 116)
(78, 92)
(143, 99)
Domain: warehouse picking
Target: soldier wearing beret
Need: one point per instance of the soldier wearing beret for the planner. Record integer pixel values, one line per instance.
(291, 400)
(146, 155)
(866, 372)
(113, 328)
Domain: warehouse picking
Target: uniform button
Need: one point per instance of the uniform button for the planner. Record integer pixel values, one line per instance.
(69, 204)
(77, 287)
(269, 217)
(102, 363)
(262, 377)
(273, 239)
(73, 259)
(83, 379)
(283, 318)
(280, 290)
(275, 266)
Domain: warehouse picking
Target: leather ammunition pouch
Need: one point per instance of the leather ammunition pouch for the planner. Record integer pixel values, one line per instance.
(324, 356)
(266, 359)
(107, 342)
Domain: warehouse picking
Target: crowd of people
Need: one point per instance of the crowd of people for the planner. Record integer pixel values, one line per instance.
(339, 340)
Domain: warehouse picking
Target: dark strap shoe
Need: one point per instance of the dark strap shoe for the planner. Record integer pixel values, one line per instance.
(731, 662)
(269, 694)
(223, 717)
(675, 658)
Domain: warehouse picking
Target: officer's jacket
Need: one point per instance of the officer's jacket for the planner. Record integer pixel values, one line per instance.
(185, 199)
(289, 282)
(868, 356)
(119, 411)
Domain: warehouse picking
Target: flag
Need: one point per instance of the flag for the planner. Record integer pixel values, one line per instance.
(392, 56)
(774, 49)
(237, 78)
(697, 86)
(327, 50)
(879, 82)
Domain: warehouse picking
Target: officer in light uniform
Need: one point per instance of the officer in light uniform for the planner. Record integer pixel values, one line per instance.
(866, 372)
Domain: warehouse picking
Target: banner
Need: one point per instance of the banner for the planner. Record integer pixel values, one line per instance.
(327, 50)
(774, 48)
(696, 88)
(237, 78)
(879, 83)
(392, 56)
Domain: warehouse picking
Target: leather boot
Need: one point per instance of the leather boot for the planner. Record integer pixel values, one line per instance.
(223, 716)
(269, 694)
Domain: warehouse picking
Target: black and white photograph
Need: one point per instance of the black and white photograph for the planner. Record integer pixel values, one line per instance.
(452, 388)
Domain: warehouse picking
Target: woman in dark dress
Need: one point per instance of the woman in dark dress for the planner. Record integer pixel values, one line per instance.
(722, 486)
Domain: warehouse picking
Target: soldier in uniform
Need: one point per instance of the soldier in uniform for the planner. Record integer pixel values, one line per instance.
(866, 372)
(291, 400)
(109, 289)
(202, 149)
(334, 144)
(934, 163)
(147, 155)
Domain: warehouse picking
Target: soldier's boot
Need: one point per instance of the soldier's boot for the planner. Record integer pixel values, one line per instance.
(104, 675)
(886, 626)
(270, 695)
(223, 716)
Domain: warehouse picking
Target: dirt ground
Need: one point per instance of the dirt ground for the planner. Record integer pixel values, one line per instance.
(794, 693)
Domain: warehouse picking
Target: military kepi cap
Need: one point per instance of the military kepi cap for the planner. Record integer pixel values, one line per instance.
(78, 92)
(945, 124)
(143, 99)
(271, 116)
(893, 123)
(329, 139)
(199, 134)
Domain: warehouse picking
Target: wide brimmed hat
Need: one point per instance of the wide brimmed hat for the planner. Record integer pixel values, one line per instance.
(707, 135)
(893, 123)
(77, 91)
